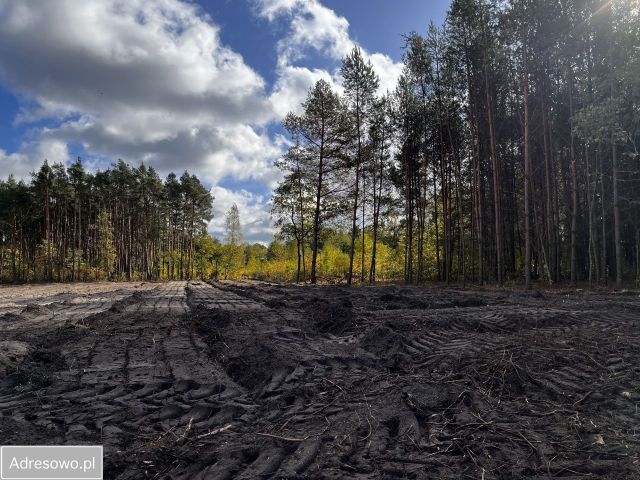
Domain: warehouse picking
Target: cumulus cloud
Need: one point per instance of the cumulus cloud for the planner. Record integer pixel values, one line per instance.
(138, 80)
(212, 152)
(117, 57)
(255, 217)
(292, 87)
(21, 164)
(312, 26)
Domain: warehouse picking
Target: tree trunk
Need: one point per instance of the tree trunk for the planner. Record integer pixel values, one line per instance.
(362, 275)
(616, 208)
(355, 196)
(574, 187)
(435, 219)
(376, 211)
(316, 216)
(496, 184)
(548, 190)
(604, 268)
(637, 258)
(527, 184)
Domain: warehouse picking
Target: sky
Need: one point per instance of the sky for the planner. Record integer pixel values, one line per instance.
(183, 85)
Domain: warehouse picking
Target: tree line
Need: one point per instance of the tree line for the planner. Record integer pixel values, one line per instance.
(508, 151)
(67, 224)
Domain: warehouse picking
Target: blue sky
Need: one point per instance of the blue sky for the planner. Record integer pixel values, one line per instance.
(197, 85)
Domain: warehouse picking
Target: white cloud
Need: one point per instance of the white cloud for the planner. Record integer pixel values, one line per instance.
(102, 55)
(21, 164)
(138, 80)
(255, 217)
(316, 27)
(292, 87)
(388, 71)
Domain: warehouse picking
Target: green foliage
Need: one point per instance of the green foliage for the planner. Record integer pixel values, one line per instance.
(121, 223)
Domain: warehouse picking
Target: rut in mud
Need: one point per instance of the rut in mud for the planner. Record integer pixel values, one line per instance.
(249, 380)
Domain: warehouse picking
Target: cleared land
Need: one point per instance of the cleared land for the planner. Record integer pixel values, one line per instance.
(250, 380)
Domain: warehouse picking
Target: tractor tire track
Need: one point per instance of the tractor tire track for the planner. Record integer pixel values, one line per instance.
(255, 380)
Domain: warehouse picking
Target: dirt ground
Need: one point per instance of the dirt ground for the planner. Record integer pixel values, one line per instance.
(250, 380)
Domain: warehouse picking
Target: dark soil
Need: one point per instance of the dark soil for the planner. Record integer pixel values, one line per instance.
(251, 380)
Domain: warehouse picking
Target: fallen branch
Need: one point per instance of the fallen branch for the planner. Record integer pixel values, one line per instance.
(215, 432)
(187, 430)
(582, 399)
(278, 437)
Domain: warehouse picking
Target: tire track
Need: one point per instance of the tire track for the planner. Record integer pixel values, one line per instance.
(251, 380)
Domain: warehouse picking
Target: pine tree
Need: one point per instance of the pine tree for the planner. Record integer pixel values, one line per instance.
(360, 84)
(323, 132)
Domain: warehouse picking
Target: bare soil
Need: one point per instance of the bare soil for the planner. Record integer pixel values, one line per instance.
(251, 380)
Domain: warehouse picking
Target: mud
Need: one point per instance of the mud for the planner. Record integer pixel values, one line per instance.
(252, 380)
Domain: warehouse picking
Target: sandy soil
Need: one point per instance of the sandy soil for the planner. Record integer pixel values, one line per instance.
(251, 380)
